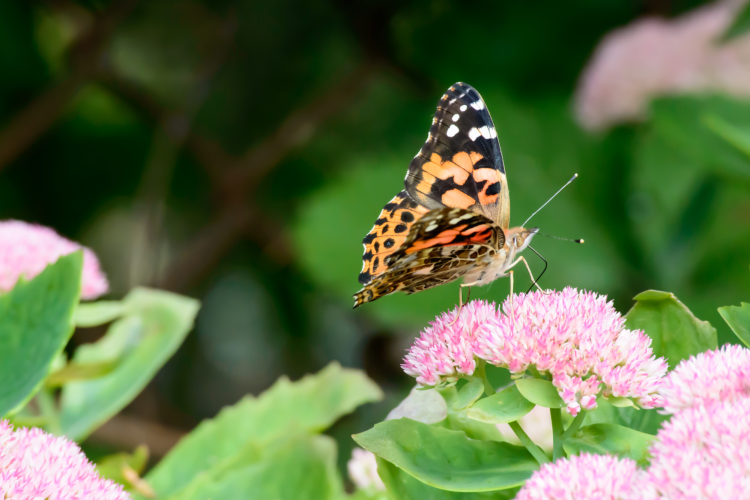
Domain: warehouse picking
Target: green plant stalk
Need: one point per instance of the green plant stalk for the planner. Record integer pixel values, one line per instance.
(47, 407)
(480, 372)
(557, 433)
(535, 451)
(574, 426)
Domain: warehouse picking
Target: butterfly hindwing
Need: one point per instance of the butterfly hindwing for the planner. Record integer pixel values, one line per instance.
(441, 247)
(461, 164)
(389, 233)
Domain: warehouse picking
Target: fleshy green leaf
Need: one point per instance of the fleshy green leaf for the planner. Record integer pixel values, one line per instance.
(402, 486)
(155, 326)
(738, 319)
(648, 421)
(460, 421)
(98, 313)
(675, 332)
(468, 394)
(506, 406)
(448, 459)
(36, 321)
(299, 468)
(311, 404)
(540, 392)
(427, 407)
(612, 439)
(620, 402)
(740, 25)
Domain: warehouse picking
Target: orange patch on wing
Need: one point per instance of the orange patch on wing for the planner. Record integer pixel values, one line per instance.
(474, 229)
(491, 176)
(464, 161)
(447, 170)
(455, 198)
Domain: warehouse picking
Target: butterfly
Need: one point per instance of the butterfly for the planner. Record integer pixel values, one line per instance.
(452, 219)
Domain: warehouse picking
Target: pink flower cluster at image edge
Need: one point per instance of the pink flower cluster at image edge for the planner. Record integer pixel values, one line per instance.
(703, 452)
(35, 465)
(576, 337)
(26, 249)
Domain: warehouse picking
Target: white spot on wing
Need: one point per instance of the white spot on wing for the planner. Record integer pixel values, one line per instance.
(479, 105)
(453, 130)
(455, 117)
(493, 132)
(485, 132)
(463, 108)
(474, 133)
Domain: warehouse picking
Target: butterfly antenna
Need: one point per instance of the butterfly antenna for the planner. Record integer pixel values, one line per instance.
(543, 270)
(553, 196)
(580, 240)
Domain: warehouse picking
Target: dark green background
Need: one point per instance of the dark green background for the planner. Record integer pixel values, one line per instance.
(238, 152)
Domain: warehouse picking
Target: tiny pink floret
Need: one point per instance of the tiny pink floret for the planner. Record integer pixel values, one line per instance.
(584, 477)
(26, 249)
(702, 453)
(35, 465)
(711, 376)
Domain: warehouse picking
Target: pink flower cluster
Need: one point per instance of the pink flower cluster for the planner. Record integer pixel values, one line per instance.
(445, 350)
(711, 376)
(702, 453)
(654, 57)
(35, 465)
(577, 338)
(26, 249)
(584, 477)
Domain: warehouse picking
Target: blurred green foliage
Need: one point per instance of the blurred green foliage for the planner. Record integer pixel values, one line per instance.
(151, 112)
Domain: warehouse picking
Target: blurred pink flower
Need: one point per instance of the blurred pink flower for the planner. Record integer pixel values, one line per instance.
(702, 453)
(444, 351)
(578, 338)
(26, 249)
(584, 477)
(35, 465)
(363, 470)
(654, 57)
(711, 376)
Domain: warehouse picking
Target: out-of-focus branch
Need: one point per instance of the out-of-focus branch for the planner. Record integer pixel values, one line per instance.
(127, 432)
(31, 122)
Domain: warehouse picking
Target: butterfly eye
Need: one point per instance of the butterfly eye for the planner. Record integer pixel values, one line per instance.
(519, 241)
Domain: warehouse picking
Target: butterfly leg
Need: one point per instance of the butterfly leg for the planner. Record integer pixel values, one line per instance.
(461, 301)
(533, 280)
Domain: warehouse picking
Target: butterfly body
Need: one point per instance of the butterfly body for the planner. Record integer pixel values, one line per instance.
(452, 218)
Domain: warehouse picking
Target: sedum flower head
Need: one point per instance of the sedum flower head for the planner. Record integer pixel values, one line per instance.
(35, 465)
(584, 477)
(363, 470)
(445, 350)
(578, 339)
(702, 453)
(26, 249)
(711, 376)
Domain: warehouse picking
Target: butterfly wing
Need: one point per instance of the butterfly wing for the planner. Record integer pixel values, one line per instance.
(442, 246)
(461, 164)
(388, 234)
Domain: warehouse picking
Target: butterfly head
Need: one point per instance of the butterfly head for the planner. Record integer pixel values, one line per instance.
(518, 238)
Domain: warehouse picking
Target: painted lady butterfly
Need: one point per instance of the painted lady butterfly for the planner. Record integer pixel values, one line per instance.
(452, 218)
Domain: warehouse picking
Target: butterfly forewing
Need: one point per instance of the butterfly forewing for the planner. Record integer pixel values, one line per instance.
(461, 164)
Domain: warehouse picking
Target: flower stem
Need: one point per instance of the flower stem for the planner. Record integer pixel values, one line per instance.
(557, 433)
(574, 425)
(46, 401)
(535, 451)
(479, 372)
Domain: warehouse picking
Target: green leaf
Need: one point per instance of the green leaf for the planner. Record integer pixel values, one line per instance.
(648, 421)
(98, 313)
(36, 321)
(78, 371)
(506, 406)
(448, 459)
(675, 332)
(311, 404)
(738, 319)
(460, 421)
(154, 327)
(468, 394)
(620, 402)
(113, 466)
(540, 392)
(300, 468)
(740, 25)
(612, 439)
(402, 486)
(427, 407)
